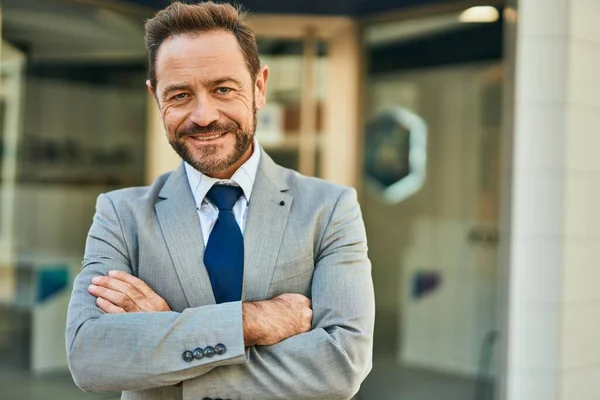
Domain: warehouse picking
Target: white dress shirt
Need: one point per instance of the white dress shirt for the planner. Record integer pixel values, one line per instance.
(200, 184)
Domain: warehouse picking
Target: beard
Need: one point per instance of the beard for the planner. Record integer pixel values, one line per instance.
(211, 159)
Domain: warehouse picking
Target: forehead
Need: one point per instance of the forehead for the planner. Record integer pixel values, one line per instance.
(205, 56)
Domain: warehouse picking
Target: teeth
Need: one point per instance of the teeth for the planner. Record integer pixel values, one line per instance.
(218, 135)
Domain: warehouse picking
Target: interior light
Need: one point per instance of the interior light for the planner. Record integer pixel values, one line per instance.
(480, 14)
(510, 15)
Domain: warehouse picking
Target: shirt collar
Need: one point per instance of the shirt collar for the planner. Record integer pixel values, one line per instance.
(244, 177)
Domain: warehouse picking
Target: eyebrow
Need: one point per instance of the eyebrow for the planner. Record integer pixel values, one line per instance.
(175, 87)
(227, 79)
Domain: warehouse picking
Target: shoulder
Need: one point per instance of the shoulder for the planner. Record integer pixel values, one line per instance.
(135, 197)
(316, 189)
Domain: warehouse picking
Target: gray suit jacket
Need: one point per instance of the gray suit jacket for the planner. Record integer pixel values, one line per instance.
(314, 244)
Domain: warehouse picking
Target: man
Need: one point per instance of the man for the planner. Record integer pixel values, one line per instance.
(231, 277)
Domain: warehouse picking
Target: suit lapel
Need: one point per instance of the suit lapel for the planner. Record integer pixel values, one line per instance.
(265, 224)
(180, 225)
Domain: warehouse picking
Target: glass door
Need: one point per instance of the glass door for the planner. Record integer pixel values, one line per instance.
(430, 201)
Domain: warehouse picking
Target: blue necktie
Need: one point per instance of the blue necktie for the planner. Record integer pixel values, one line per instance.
(224, 254)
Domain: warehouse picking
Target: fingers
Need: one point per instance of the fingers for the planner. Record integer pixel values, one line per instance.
(308, 316)
(129, 297)
(108, 307)
(136, 283)
(128, 292)
(117, 285)
(157, 303)
(271, 321)
(295, 298)
(300, 307)
(114, 297)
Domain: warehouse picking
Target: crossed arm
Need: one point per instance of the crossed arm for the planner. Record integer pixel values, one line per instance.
(278, 355)
(264, 323)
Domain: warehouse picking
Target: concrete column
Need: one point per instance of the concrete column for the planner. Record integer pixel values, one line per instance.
(340, 157)
(553, 327)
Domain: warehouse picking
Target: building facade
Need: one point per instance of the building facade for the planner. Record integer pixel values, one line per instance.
(469, 128)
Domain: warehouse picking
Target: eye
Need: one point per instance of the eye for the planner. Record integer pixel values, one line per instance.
(180, 96)
(223, 90)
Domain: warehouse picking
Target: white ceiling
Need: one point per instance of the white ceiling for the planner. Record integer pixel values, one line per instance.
(60, 30)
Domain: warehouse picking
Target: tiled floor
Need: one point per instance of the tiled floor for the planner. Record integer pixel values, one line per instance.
(389, 381)
(19, 385)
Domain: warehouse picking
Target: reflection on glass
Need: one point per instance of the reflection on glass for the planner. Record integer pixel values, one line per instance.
(396, 153)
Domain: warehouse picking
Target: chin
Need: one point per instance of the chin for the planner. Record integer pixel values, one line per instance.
(212, 165)
(210, 158)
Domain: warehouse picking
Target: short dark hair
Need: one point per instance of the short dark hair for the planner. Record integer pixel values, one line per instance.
(180, 19)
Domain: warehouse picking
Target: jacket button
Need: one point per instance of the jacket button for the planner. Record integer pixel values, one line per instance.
(188, 356)
(220, 349)
(209, 352)
(198, 354)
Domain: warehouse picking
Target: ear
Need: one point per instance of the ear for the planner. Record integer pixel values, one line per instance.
(151, 90)
(260, 90)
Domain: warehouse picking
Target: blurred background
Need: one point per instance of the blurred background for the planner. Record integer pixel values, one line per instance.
(469, 128)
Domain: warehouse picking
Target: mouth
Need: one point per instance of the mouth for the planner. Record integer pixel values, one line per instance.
(207, 138)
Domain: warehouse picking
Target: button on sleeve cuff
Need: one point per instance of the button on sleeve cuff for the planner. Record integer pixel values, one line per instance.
(213, 337)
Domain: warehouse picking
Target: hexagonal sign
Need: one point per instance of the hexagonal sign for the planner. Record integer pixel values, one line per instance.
(396, 153)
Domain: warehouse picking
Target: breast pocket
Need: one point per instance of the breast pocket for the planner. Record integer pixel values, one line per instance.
(294, 277)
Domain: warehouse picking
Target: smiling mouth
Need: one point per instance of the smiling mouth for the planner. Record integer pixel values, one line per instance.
(205, 138)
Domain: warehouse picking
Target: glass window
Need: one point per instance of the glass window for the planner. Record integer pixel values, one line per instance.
(433, 247)
(279, 122)
(73, 125)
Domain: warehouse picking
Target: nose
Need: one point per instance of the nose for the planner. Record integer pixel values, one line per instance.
(205, 112)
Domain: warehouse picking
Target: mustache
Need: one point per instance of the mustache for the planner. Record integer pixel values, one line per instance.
(208, 129)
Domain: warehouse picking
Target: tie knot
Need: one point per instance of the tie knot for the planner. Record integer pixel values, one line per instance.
(224, 196)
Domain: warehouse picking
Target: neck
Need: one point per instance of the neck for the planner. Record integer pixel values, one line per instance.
(228, 173)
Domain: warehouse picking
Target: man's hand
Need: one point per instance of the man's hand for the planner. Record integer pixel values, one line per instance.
(271, 321)
(120, 292)
(264, 322)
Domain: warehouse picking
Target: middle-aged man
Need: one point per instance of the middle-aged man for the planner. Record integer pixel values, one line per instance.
(230, 277)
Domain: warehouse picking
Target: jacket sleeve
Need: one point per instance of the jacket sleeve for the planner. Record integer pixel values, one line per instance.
(133, 351)
(331, 360)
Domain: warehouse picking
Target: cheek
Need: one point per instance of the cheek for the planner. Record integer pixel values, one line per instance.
(239, 111)
(172, 118)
